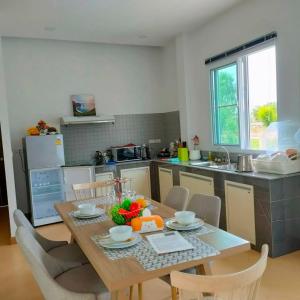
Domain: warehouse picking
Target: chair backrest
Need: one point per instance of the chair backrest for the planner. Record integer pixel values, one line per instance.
(21, 220)
(45, 267)
(84, 191)
(177, 197)
(242, 285)
(208, 208)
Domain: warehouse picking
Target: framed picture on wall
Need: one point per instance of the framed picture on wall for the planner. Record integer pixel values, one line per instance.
(83, 105)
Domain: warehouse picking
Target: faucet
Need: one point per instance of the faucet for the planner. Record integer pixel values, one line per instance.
(228, 155)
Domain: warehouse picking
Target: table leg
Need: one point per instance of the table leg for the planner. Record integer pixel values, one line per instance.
(114, 295)
(204, 269)
(119, 295)
(131, 292)
(174, 293)
(140, 291)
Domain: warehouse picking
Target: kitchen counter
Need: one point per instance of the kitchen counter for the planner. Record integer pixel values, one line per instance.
(266, 176)
(258, 175)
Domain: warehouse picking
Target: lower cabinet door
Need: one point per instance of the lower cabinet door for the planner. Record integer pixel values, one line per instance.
(197, 184)
(240, 210)
(104, 177)
(165, 182)
(140, 180)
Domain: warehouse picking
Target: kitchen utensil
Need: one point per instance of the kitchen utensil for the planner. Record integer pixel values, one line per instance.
(195, 154)
(120, 233)
(87, 209)
(98, 212)
(174, 225)
(245, 163)
(185, 217)
(111, 244)
(99, 158)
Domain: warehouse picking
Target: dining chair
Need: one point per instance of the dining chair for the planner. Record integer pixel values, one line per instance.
(235, 286)
(58, 249)
(177, 198)
(84, 191)
(207, 208)
(57, 279)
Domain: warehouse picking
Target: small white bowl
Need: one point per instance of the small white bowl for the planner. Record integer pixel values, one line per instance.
(87, 208)
(120, 233)
(185, 217)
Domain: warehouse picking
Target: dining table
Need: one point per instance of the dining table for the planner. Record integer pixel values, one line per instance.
(119, 274)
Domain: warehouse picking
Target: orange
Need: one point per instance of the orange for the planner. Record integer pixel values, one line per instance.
(142, 202)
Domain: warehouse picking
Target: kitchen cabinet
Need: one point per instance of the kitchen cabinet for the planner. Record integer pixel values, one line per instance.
(140, 179)
(106, 176)
(239, 199)
(73, 175)
(165, 182)
(197, 184)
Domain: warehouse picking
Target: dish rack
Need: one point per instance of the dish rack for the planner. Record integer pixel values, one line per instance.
(277, 167)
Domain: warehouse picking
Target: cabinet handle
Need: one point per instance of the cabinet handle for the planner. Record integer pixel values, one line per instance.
(197, 177)
(165, 170)
(240, 187)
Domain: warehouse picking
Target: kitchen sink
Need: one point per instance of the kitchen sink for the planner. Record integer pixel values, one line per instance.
(200, 163)
(231, 167)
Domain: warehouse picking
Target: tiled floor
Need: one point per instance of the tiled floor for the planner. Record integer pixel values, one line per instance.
(280, 282)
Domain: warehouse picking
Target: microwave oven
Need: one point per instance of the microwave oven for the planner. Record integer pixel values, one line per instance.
(126, 153)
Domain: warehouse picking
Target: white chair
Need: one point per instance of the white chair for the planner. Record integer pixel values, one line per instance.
(236, 286)
(57, 279)
(85, 191)
(58, 249)
(177, 197)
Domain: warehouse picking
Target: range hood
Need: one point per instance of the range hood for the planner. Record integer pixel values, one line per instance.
(70, 120)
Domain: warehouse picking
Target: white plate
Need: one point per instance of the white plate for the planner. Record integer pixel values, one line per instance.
(172, 224)
(78, 215)
(111, 244)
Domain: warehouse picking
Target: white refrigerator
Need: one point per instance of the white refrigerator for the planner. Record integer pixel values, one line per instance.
(44, 158)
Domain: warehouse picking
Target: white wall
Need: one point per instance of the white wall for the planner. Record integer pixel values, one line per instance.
(242, 23)
(169, 72)
(42, 74)
(7, 147)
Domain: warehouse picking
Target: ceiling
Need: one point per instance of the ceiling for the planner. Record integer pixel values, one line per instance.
(137, 22)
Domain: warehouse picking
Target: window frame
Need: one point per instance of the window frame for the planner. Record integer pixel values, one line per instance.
(215, 107)
(241, 60)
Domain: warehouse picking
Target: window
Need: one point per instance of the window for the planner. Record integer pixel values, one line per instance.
(244, 99)
(226, 110)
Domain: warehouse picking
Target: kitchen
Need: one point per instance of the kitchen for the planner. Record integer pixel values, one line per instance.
(156, 93)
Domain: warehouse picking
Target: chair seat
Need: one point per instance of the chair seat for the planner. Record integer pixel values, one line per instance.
(69, 252)
(83, 279)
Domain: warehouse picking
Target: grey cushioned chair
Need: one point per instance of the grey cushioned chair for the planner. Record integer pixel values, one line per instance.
(57, 279)
(177, 197)
(207, 208)
(58, 249)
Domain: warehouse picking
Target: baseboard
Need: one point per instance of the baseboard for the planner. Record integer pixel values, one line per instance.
(13, 240)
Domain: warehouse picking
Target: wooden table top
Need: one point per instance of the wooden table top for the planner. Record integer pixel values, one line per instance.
(122, 273)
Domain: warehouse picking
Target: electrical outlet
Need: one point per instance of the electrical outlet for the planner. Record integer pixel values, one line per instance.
(155, 141)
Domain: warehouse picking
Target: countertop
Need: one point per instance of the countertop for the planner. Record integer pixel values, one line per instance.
(266, 176)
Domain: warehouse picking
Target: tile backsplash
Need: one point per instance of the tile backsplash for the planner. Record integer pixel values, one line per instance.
(81, 141)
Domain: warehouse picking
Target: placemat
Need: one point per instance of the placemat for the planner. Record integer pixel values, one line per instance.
(150, 260)
(81, 222)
